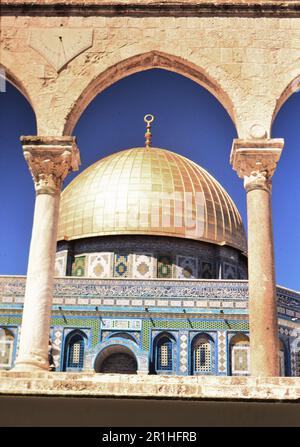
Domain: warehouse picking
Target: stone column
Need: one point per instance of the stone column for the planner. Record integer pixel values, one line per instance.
(255, 161)
(50, 159)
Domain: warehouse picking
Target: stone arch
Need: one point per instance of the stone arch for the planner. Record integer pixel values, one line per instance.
(116, 359)
(119, 345)
(8, 75)
(142, 62)
(292, 86)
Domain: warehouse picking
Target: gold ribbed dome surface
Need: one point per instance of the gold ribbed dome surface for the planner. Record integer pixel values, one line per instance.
(149, 191)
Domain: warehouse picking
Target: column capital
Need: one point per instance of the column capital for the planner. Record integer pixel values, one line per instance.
(50, 159)
(255, 161)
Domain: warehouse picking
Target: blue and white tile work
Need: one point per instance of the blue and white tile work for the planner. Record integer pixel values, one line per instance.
(148, 326)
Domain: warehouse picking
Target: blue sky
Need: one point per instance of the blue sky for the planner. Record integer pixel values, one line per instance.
(189, 121)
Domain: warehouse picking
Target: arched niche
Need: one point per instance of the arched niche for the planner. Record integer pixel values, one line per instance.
(116, 359)
(202, 355)
(74, 350)
(239, 348)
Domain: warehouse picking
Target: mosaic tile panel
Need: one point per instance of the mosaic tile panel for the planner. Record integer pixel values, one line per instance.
(222, 352)
(57, 333)
(93, 323)
(61, 263)
(121, 266)
(78, 266)
(293, 358)
(229, 271)
(143, 266)
(186, 267)
(99, 265)
(164, 267)
(183, 352)
(184, 324)
(206, 270)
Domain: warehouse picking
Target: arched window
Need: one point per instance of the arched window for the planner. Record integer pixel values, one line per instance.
(75, 346)
(164, 354)
(202, 355)
(6, 348)
(240, 355)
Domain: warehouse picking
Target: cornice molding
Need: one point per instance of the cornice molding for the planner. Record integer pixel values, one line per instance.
(180, 8)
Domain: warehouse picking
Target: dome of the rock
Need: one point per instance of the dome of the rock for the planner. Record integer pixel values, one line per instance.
(149, 191)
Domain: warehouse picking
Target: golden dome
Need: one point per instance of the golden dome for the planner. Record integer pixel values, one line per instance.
(149, 191)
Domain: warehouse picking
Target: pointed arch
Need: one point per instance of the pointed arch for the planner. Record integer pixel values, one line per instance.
(74, 350)
(239, 347)
(163, 354)
(291, 87)
(202, 354)
(7, 75)
(141, 62)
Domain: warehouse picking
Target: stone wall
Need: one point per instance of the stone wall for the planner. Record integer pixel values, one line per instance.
(62, 60)
(195, 387)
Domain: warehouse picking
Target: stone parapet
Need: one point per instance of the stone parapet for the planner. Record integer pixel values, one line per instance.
(150, 387)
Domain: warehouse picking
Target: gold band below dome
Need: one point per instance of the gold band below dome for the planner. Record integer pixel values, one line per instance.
(125, 193)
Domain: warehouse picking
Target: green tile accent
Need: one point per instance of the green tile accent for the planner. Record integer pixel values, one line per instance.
(5, 320)
(78, 266)
(164, 267)
(183, 324)
(93, 323)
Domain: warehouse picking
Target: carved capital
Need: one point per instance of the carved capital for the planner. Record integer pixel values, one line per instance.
(50, 159)
(255, 161)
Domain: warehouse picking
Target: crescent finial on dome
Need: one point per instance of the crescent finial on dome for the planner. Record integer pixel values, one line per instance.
(149, 120)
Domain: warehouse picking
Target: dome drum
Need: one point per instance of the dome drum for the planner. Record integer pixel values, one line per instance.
(146, 257)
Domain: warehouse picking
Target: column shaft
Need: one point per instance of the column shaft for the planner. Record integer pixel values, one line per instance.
(50, 159)
(33, 350)
(255, 161)
(264, 360)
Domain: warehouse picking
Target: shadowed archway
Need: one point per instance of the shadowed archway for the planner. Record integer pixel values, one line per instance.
(116, 359)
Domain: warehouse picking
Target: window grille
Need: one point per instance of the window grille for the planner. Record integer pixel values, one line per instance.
(240, 359)
(76, 352)
(165, 355)
(202, 356)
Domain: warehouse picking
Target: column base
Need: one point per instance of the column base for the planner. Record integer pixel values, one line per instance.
(31, 362)
(27, 367)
